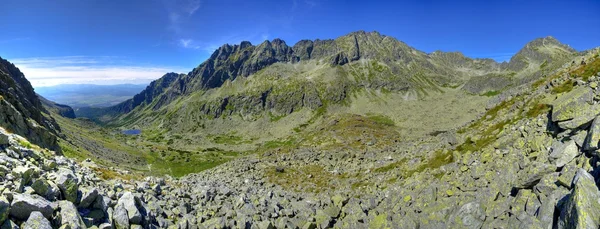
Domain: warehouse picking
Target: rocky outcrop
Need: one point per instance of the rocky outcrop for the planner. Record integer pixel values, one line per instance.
(582, 209)
(21, 109)
(575, 108)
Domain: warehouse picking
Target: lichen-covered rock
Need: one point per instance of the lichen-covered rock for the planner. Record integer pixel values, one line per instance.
(533, 174)
(380, 222)
(470, 215)
(68, 184)
(23, 205)
(88, 197)
(8, 224)
(36, 221)
(575, 108)
(4, 209)
(3, 139)
(120, 217)
(128, 201)
(41, 187)
(25, 173)
(593, 137)
(582, 209)
(563, 153)
(70, 216)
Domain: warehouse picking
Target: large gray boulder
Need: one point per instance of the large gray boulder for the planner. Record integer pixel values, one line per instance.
(70, 216)
(575, 108)
(8, 224)
(88, 197)
(25, 173)
(4, 209)
(41, 187)
(68, 184)
(23, 205)
(3, 139)
(582, 209)
(593, 136)
(563, 153)
(36, 221)
(120, 217)
(470, 215)
(129, 203)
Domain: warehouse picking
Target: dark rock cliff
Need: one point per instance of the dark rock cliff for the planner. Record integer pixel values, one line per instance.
(22, 111)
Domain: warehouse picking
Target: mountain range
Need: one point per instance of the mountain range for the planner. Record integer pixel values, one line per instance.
(275, 79)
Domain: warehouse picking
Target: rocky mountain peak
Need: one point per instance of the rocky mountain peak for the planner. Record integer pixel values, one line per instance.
(538, 51)
(245, 44)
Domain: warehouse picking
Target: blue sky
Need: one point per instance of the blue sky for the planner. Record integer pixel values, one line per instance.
(136, 41)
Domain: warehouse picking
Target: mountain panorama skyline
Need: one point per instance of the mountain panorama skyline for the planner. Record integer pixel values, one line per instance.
(138, 81)
(137, 41)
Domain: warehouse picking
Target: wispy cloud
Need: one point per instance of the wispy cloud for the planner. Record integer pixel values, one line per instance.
(188, 43)
(46, 71)
(180, 10)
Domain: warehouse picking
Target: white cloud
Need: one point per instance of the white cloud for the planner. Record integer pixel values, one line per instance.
(188, 43)
(179, 10)
(47, 71)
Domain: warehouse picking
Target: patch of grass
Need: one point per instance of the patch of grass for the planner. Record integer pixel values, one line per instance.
(108, 174)
(177, 162)
(489, 115)
(567, 86)
(301, 127)
(69, 152)
(537, 109)
(25, 144)
(491, 93)
(310, 178)
(229, 139)
(544, 65)
(360, 184)
(275, 118)
(438, 159)
(589, 69)
(453, 86)
(381, 119)
(391, 166)
(279, 143)
(319, 112)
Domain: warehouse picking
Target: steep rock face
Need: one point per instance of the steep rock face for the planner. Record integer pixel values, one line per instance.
(22, 110)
